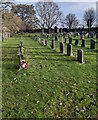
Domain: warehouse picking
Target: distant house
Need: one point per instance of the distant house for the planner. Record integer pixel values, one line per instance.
(4, 33)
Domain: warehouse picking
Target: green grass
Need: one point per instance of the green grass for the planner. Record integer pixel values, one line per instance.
(55, 85)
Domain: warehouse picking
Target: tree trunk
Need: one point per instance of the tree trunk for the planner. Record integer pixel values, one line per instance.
(43, 30)
(49, 30)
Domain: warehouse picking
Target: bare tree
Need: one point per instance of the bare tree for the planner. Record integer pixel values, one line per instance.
(89, 17)
(70, 21)
(48, 14)
(4, 4)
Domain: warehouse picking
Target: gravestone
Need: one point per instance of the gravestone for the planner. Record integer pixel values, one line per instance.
(21, 43)
(43, 42)
(96, 35)
(62, 38)
(70, 40)
(20, 48)
(65, 40)
(80, 56)
(68, 35)
(92, 44)
(69, 50)
(62, 47)
(46, 42)
(53, 44)
(83, 43)
(39, 40)
(92, 35)
(76, 42)
(19, 56)
(56, 37)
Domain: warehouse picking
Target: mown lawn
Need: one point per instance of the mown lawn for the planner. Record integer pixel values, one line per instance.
(54, 85)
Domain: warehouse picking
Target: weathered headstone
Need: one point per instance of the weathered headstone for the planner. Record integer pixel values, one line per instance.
(43, 42)
(83, 43)
(70, 40)
(69, 50)
(80, 56)
(92, 44)
(39, 40)
(76, 42)
(53, 44)
(62, 47)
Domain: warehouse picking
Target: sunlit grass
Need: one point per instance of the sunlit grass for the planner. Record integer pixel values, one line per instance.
(55, 85)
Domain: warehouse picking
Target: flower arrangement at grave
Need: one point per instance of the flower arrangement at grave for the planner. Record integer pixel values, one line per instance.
(23, 61)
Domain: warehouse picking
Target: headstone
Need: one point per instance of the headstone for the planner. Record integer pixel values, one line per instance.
(55, 29)
(19, 56)
(62, 39)
(39, 40)
(53, 44)
(62, 47)
(70, 40)
(83, 43)
(65, 40)
(43, 42)
(21, 43)
(92, 44)
(96, 35)
(68, 35)
(92, 35)
(56, 37)
(20, 48)
(46, 42)
(80, 56)
(69, 50)
(76, 42)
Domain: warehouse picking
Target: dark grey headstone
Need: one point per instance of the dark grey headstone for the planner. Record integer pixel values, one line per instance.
(69, 50)
(21, 43)
(96, 35)
(92, 44)
(62, 47)
(65, 40)
(56, 37)
(53, 44)
(83, 43)
(80, 56)
(76, 42)
(70, 40)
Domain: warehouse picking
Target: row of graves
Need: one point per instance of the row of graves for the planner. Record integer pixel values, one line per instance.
(4, 34)
(22, 61)
(54, 37)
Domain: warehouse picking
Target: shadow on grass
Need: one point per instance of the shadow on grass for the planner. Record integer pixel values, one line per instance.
(9, 47)
(37, 48)
(9, 59)
(56, 59)
(11, 67)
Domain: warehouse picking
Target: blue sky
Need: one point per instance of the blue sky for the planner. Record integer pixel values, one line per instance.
(70, 6)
